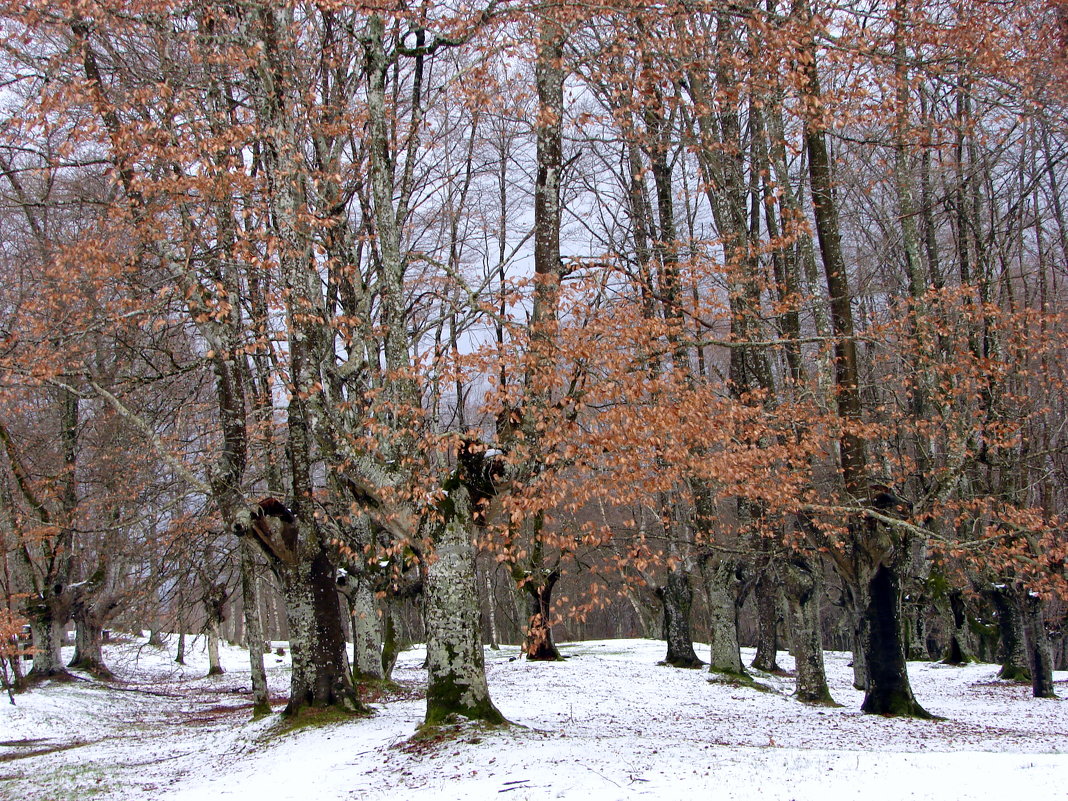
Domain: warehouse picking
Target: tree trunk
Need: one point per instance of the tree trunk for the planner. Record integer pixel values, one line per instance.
(723, 585)
(857, 625)
(180, 657)
(767, 604)
(261, 702)
(491, 613)
(539, 645)
(211, 634)
(88, 643)
(47, 629)
(456, 682)
(390, 645)
(888, 691)
(214, 606)
(803, 586)
(957, 652)
(1014, 654)
(366, 630)
(915, 616)
(1040, 654)
(320, 676)
(677, 598)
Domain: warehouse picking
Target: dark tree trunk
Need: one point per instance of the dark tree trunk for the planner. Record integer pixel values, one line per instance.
(803, 586)
(888, 691)
(390, 645)
(767, 604)
(1013, 648)
(320, 676)
(539, 645)
(180, 656)
(677, 598)
(1040, 654)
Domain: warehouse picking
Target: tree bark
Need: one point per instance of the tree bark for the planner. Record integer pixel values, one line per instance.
(888, 691)
(766, 591)
(1013, 651)
(1040, 654)
(254, 639)
(88, 642)
(803, 585)
(723, 584)
(366, 630)
(456, 683)
(539, 645)
(676, 596)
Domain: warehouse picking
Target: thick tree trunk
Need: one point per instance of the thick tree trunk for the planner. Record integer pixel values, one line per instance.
(180, 656)
(320, 676)
(88, 644)
(766, 591)
(47, 629)
(1013, 649)
(1040, 654)
(491, 613)
(888, 691)
(803, 586)
(456, 682)
(677, 598)
(723, 585)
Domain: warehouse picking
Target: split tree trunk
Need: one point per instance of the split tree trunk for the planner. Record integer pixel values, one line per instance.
(320, 676)
(47, 618)
(957, 652)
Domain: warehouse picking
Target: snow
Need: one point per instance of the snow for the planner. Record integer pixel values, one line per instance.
(607, 723)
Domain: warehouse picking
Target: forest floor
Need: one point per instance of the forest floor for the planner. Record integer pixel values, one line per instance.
(606, 723)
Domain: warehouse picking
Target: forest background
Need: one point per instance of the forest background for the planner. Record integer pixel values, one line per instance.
(476, 321)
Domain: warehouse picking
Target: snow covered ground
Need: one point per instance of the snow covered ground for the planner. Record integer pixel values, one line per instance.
(607, 723)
